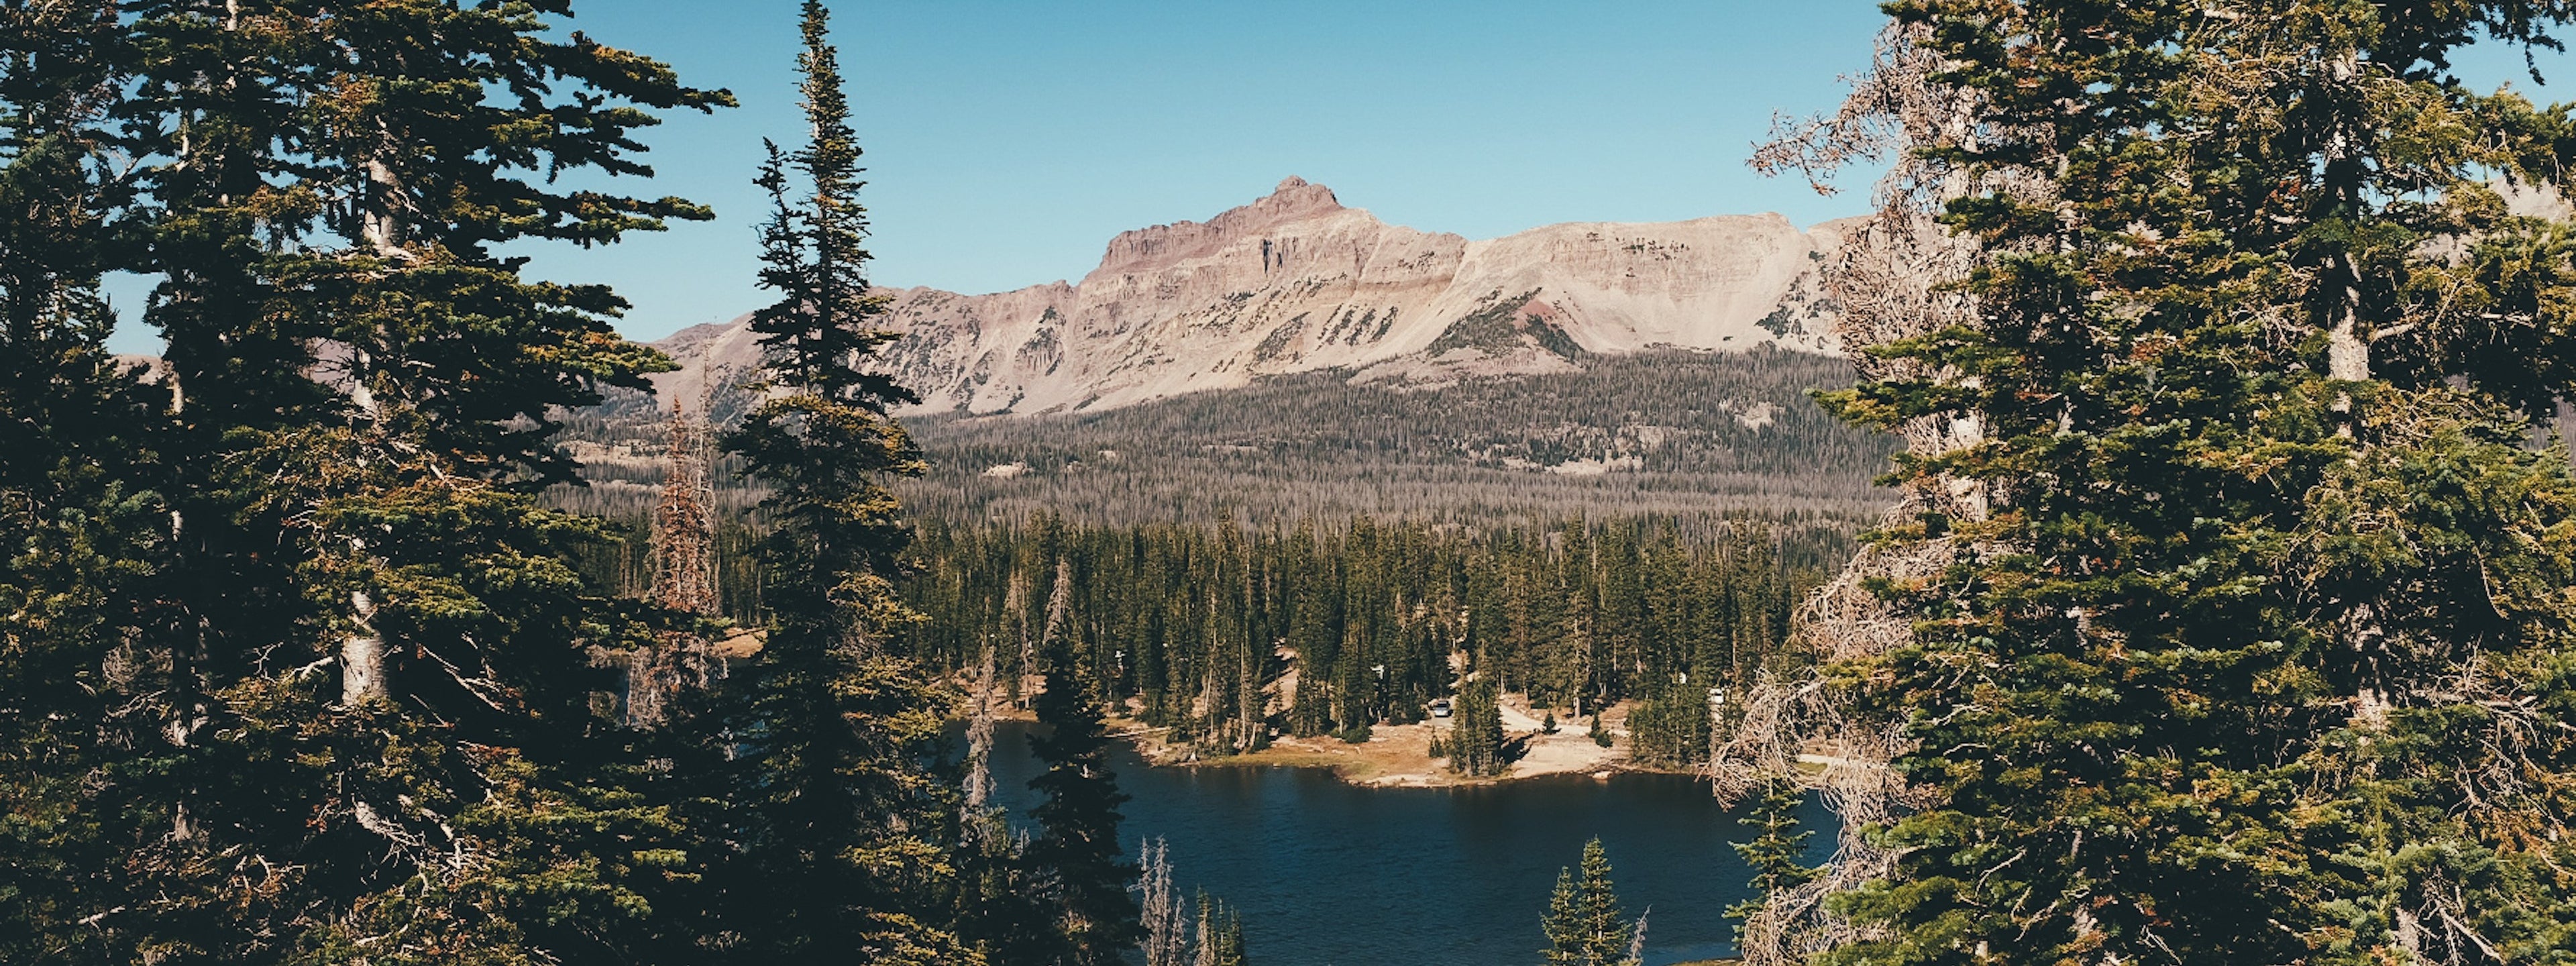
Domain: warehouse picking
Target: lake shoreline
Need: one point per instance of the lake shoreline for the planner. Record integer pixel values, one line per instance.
(1399, 756)
(1327, 871)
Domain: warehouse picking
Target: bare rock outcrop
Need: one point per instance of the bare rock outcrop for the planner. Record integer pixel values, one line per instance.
(1296, 282)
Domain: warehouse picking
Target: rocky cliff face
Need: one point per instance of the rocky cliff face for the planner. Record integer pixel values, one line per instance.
(1296, 282)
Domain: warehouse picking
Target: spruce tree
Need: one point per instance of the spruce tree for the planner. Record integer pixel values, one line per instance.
(368, 672)
(1775, 853)
(1563, 924)
(83, 513)
(2256, 591)
(996, 903)
(1219, 935)
(1078, 864)
(1583, 925)
(1475, 744)
(842, 842)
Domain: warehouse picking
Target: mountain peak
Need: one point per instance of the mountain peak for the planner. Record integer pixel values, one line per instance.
(1294, 200)
(1298, 194)
(1293, 281)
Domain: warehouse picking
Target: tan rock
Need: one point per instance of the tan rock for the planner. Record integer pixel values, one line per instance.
(1296, 282)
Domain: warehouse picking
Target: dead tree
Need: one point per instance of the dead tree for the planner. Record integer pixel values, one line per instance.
(684, 574)
(1166, 918)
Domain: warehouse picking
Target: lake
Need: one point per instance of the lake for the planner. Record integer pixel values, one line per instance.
(1330, 874)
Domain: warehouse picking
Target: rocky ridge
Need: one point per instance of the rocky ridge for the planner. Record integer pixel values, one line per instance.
(1296, 282)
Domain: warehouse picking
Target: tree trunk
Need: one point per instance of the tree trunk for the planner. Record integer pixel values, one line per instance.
(362, 656)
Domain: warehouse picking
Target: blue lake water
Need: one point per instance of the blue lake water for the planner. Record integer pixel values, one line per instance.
(1329, 874)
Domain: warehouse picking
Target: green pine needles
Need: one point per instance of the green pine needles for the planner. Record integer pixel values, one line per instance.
(1219, 933)
(844, 837)
(1776, 853)
(1083, 874)
(1584, 926)
(1475, 743)
(327, 657)
(294, 665)
(2254, 641)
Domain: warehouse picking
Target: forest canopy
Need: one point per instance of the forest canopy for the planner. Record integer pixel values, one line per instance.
(2226, 613)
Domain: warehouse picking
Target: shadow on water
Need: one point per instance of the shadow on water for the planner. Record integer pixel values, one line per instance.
(1328, 874)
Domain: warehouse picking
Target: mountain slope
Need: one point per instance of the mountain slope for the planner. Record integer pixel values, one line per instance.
(1295, 282)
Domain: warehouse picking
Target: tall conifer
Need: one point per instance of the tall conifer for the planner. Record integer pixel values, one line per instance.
(84, 520)
(1776, 853)
(372, 676)
(841, 836)
(2258, 593)
(1075, 855)
(1475, 744)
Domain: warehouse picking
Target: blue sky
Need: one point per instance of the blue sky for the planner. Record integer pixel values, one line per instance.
(1008, 140)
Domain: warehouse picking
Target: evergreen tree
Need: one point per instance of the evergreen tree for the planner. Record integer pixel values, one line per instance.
(1583, 925)
(1475, 744)
(1670, 728)
(1078, 864)
(2256, 587)
(1563, 924)
(1219, 935)
(1775, 852)
(840, 833)
(317, 177)
(997, 910)
(83, 522)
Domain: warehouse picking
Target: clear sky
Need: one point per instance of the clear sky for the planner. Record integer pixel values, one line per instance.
(1007, 140)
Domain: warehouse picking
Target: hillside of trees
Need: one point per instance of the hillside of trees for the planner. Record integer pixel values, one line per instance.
(1676, 433)
(1670, 432)
(1228, 634)
(1197, 627)
(2226, 615)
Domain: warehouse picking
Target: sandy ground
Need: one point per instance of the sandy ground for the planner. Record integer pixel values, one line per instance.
(1400, 755)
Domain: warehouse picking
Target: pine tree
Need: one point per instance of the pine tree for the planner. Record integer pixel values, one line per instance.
(2252, 566)
(1475, 744)
(1219, 935)
(1076, 854)
(997, 907)
(842, 834)
(309, 180)
(1606, 932)
(1584, 926)
(1670, 728)
(1563, 924)
(1775, 853)
(83, 516)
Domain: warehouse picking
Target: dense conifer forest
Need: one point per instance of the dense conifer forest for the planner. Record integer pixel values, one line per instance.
(1229, 634)
(1226, 634)
(2225, 614)
(1673, 432)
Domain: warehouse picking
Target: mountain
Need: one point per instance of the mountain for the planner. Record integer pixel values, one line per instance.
(1296, 283)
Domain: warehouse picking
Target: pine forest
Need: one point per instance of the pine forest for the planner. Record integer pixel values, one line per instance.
(2136, 526)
